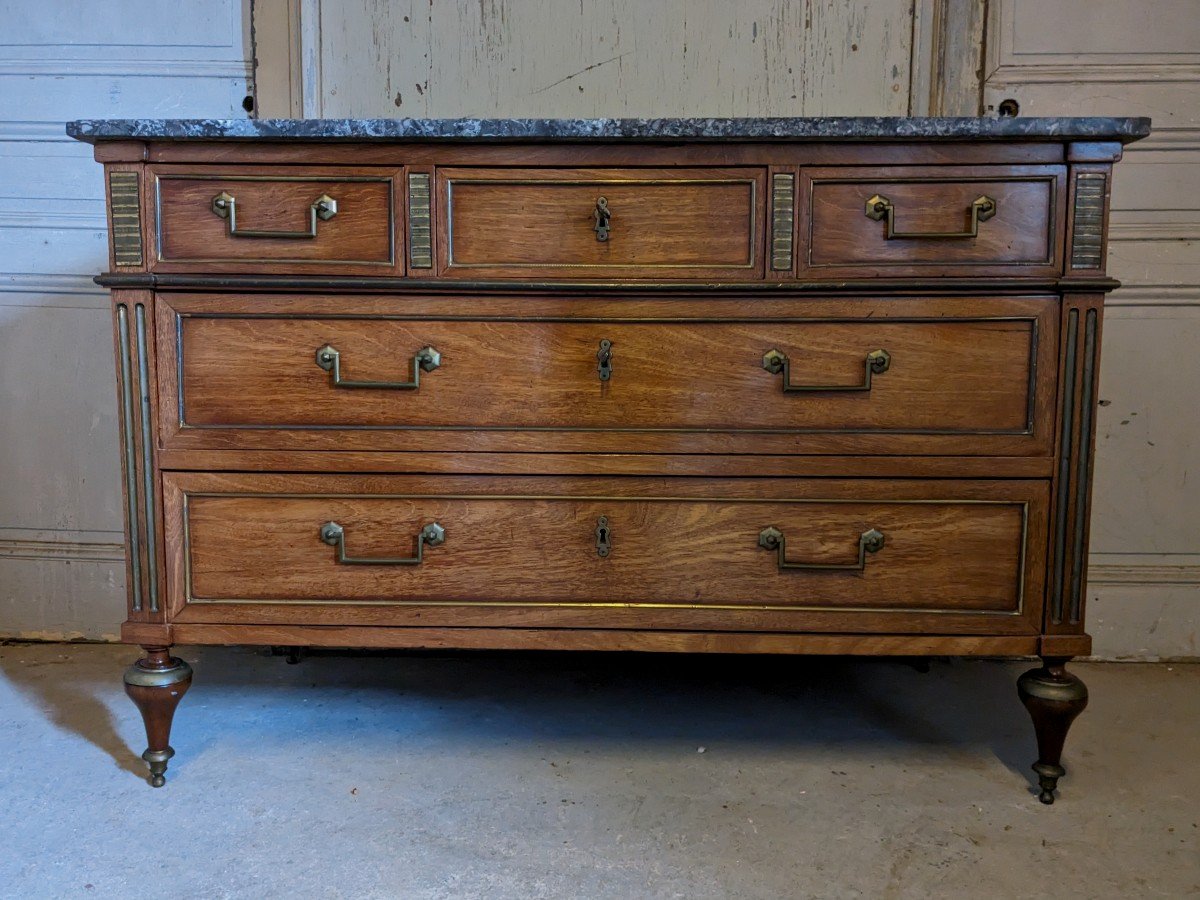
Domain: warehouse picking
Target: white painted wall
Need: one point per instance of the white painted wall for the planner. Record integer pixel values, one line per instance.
(61, 564)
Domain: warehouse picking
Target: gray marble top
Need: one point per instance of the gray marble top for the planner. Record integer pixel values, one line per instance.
(880, 128)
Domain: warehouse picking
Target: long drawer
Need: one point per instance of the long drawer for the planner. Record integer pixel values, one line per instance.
(882, 377)
(773, 554)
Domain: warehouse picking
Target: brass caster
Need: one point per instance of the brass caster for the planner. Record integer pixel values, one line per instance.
(1048, 776)
(157, 761)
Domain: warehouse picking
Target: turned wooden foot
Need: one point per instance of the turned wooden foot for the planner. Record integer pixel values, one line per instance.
(1054, 697)
(156, 683)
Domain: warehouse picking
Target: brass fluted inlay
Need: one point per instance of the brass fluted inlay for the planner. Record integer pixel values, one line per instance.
(420, 235)
(129, 451)
(1088, 232)
(783, 217)
(126, 211)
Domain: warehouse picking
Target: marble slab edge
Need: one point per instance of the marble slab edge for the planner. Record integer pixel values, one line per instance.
(1124, 130)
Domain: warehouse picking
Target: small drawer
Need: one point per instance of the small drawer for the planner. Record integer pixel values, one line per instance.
(963, 377)
(705, 553)
(277, 219)
(931, 220)
(659, 224)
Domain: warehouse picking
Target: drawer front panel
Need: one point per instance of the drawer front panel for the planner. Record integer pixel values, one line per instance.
(591, 550)
(287, 382)
(932, 220)
(607, 223)
(338, 220)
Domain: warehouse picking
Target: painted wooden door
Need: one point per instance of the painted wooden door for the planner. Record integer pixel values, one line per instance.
(1113, 57)
(533, 58)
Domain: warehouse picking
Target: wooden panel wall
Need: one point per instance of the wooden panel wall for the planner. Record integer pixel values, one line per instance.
(62, 572)
(605, 57)
(1110, 57)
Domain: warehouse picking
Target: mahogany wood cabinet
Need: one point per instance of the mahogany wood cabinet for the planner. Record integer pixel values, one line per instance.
(819, 386)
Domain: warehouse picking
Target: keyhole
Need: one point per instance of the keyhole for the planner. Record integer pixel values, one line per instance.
(602, 541)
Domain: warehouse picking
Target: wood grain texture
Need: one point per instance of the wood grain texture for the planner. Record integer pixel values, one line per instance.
(1083, 318)
(540, 223)
(249, 545)
(363, 236)
(136, 371)
(615, 640)
(731, 465)
(517, 447)
(1025, 234)
(249, 379)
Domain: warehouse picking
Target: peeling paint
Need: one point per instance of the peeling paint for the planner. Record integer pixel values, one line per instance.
(617, 58)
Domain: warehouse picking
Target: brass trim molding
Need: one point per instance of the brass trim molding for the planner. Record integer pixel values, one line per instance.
(129, 453)
(125, 199)
(1083, 462)
(1066, 434)
(148, 503)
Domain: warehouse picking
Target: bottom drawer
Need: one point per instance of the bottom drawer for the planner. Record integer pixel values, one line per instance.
(649, 553)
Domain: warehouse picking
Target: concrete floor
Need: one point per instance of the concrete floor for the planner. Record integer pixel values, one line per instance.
(592, 776)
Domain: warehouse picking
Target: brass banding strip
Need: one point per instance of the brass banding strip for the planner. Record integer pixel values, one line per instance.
(1084, 461)
(130, 456)
(147, 456)
(1064, 466)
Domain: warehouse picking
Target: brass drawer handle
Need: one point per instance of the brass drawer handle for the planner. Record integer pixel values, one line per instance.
(880, 208)
(427, 359)
(877, 362)
(870, 541)
(334, 535)
(603, 216)
(225, 206)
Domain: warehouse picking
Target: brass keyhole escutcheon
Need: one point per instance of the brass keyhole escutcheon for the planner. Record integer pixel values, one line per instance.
(603, 537)
(604, 360)
(603, 216)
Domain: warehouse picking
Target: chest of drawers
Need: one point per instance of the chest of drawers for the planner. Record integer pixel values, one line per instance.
(749, 386)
